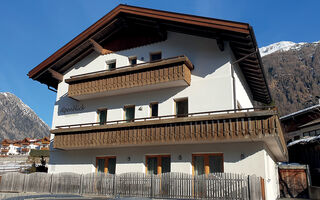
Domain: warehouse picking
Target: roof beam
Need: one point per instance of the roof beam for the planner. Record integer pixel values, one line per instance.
(56, 75)
(220, 44)
(98, 48)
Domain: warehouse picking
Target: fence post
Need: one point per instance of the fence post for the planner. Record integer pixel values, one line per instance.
(151, 192)
(114, 185)
(51, 183)
(80, 184)
(254, 187)
(24, 183)
(248, 188)
(309, 183)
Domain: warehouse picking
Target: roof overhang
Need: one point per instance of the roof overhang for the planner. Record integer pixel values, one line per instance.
(239, 35)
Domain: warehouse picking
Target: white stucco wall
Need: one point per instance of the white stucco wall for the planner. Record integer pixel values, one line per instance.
(13, 150)
(271, 177)
(243, 93)
(257, 160)
(83, 161)
(210, 89)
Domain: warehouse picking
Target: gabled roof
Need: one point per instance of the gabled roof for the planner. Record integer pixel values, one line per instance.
(300, 119)
(239, 35)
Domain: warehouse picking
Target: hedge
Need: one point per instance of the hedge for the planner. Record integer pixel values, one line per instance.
(39, 153)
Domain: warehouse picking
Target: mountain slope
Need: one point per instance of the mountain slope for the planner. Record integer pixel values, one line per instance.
(18, 121)
(293, 74)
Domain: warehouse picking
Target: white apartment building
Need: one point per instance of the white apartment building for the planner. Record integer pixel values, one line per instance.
(23, 147)
(152, 91)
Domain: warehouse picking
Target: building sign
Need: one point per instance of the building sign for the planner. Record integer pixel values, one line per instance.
(73, 108)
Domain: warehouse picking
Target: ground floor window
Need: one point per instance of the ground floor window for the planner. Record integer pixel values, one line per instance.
(106, 164)
(157, 164)
(207, 163)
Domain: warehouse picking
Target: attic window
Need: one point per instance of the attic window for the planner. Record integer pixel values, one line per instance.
(133, 60)
(155, 56)
(111, 65)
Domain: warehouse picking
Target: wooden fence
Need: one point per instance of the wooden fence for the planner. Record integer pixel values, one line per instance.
(168, 185)
(294, 181)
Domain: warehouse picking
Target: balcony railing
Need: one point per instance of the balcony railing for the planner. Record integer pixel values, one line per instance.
(171, 72)
(204, 127)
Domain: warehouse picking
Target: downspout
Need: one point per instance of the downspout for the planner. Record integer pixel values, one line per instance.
(233, 87)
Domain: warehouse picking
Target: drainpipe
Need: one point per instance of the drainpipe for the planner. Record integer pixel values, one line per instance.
(233, 87)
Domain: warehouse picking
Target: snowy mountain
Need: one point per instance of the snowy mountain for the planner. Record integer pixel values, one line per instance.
(17, 120)
(293, 74)
(282, 46)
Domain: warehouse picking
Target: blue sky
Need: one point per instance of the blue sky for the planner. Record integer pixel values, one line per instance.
(31, 30)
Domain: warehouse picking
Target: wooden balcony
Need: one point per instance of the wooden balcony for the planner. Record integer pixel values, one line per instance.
(209, 127)
(4, 150)
(171, 72)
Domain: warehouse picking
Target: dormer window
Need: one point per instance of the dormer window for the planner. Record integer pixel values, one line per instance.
(155, 56)
(133, 60)
(111, 65)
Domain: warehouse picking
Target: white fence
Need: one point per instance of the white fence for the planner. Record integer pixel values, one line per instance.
(168, 185)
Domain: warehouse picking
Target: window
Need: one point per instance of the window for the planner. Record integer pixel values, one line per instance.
(182, 107)
(154, 109)
(111, 65)
(133, 60)
(129, 113)
(106, 164)
(102, 114)
(297, 137)
(312, 133)
(155, 56)
(157, 164)
(207, 163)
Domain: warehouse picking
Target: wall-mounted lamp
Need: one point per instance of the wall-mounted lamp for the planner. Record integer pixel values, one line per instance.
(129, 158)
(140, 108)
(180, 157)
(242, 156)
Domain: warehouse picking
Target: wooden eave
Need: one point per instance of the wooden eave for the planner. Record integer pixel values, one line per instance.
(239, 35)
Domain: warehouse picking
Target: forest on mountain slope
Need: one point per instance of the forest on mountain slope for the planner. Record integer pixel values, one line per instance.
(294, 77)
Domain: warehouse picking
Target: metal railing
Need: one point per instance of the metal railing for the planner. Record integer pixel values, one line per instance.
(168, 117)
